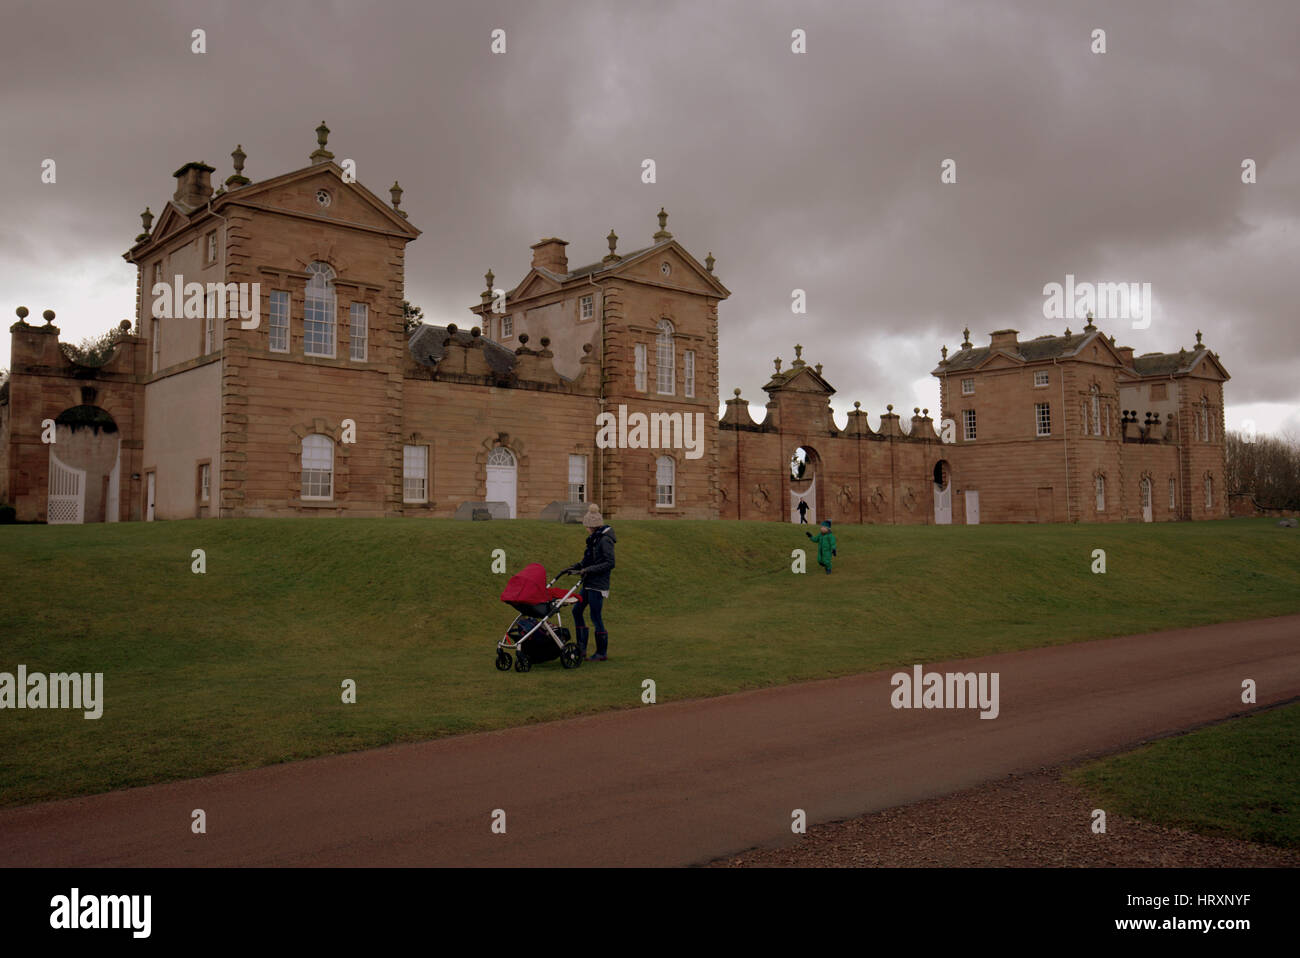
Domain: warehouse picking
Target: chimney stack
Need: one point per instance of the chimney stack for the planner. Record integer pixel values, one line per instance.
(1004, 339)
(549, 254)
(1126, 355)
(193, 185)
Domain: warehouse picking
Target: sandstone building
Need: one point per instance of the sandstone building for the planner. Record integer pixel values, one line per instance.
(328, 405)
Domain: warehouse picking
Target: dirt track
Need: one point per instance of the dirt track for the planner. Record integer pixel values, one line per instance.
(673, 784)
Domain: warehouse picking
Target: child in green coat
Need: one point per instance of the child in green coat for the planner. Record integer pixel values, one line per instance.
(825, 545)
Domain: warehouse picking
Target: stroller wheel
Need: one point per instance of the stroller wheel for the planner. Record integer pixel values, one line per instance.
(570, 657)
(521, 662)
(503, 661)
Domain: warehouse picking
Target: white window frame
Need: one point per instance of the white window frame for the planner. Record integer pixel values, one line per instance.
(317, 459)
(211, 248)
(665, 492)
(415, 473)
(688, 372)
(156, 335)
(587, 307)
(1173, 495)
(507, 326)
(968, 386)
(577, 477)
(1101, 493)
(1209, 493)
(205, 482)
(1043, 418)
(1205, 421)
(359, 331)
(280, 303)
(968, 424)
(1041, 378)
(210, 324)
(1096, 410)
(320, 307)
(665, 360)
(639, 352)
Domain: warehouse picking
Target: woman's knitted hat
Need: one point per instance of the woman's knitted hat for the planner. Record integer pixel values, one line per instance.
(593, 520)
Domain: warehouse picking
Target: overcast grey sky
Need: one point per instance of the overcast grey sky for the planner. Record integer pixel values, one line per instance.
(818, 171)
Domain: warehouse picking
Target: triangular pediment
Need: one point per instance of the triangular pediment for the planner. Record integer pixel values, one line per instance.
(799, 379)
(1209, 367)
(535, 283)
(684, 270)
(1000, 359)
(350, 202)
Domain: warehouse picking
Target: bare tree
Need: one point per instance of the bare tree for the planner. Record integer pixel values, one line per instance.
(1268, 468)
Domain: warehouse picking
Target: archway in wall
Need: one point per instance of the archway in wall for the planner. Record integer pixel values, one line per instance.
(85, 467)
(942, 479)
(806, 487)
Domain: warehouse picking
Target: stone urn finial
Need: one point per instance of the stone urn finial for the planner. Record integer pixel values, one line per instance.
(663, 233)
(395, 191)
(709, 261)
(320, 154)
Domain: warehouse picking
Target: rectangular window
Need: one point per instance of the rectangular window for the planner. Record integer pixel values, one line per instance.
(1172, 498)
(968, 387)
(360, 331)
(665, 476)
(1040, 378)
(690, 374)
(205, 482)
(210, 325)
(317, 467)
(507, 326)
(279, 327)
(968, 420)
(1101, 493)
(665, 363)
(212, 247)
(640, 367)
(1043, 417)
(415, 473)
(1159, 391)
(587, 307)
(318, 324)
(156, 335)
(577, 478)
(1209, 493)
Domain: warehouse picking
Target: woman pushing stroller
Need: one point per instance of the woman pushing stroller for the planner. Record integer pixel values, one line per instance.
(597, 562)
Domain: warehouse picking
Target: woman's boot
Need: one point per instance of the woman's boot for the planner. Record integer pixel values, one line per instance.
(602, 645)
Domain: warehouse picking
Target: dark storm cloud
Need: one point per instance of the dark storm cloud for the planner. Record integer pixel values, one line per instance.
(818, 171)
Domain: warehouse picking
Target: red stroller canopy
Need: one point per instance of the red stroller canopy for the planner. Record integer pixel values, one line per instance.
(528, 586)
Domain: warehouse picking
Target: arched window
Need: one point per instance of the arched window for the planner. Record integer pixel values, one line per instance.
(317, 467)
(1209, 493)
(664, 359)
(1205, 420)
(1101, 493)
(501, 456)
(318, 311)
(1096, 410)
(666, 482)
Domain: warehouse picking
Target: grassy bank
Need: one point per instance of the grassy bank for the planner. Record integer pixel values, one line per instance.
(1239, 779)
(242, 666)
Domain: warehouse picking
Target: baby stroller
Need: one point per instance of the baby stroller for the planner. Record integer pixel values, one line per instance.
(531, 636)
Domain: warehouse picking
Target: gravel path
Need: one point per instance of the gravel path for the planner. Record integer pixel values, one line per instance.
(1022, 821)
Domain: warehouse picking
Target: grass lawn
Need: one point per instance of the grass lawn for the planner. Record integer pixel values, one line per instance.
(1239, 779)
(242, 667)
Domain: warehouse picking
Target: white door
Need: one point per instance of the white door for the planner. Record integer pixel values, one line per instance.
(149, 491)
(67, 493)
(943, 504)
(1146, 500)
(501, 474)
(972, 507)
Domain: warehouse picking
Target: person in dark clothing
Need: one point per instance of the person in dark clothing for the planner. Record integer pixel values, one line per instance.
(803, 512)
(597, 562)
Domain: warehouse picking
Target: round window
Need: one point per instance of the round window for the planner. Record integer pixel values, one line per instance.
(323, 198)
(665, 269)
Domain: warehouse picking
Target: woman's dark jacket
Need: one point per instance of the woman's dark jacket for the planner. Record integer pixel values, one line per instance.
(598, 559)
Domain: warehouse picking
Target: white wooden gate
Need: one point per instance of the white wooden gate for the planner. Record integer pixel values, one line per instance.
(67, 496)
